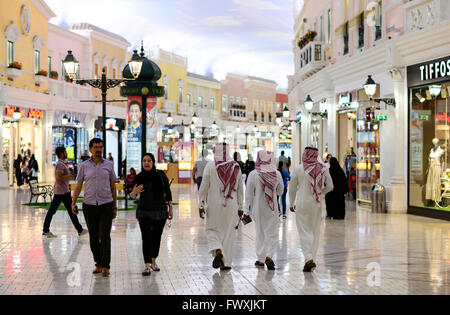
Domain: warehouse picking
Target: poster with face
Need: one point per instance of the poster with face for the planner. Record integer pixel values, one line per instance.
(134, 133)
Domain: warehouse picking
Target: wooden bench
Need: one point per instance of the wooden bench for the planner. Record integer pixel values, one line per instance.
(37, 191)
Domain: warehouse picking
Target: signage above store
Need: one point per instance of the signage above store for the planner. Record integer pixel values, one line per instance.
(381, 115)
(24, 113)
(429, 72)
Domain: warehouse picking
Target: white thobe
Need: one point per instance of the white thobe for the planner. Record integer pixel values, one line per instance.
(266, 220)
(220, 221)
(308, 210)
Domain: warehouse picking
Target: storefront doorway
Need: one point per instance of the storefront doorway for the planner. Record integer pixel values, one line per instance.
(21, 136)
(429, 132)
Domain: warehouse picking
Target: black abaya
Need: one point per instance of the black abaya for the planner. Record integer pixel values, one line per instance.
(335, 199)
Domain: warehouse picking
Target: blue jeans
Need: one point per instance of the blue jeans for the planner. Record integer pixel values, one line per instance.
(283, 201)
(199, 182)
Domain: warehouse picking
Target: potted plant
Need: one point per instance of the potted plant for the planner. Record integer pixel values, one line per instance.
(308, 37)
(14, 69)
(68, 79)
(40, 76)
(54, 75)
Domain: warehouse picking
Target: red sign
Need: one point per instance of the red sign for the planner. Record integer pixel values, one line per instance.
(32, 113)
(442, 117)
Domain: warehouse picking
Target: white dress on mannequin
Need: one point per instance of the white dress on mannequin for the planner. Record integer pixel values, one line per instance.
(433, 186)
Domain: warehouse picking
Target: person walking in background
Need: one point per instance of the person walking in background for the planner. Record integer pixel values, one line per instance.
(222, 193)
(129, 180)
(153, 188)
(349, 158)
(310, 182)
(352, 181)
(24, 171)
(199, 167)
(249, 166)
(263, 187)
(286, 177)
(33, 169)
(283, 159)
(237, 159)
(110, 157)
(18, 170)
(335, 199)
(85, 156)
(61, 193)
(289, 165)
(99, 205)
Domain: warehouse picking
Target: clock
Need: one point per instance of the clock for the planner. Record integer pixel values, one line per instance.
(25, 19)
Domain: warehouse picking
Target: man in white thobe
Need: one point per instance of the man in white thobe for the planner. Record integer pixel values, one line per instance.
(309, 184)
(263, 186)
(222, 194)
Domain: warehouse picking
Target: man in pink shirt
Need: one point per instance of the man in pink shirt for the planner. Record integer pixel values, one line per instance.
(61, 193)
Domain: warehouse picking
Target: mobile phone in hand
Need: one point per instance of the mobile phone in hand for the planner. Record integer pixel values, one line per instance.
(76, 209)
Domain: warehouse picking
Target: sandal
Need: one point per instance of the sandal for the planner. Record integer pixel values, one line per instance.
(146, 272)
(223, 267)
(217, 260)
(97, 270)
(259, 264)
(155, 267)
(270, 264)
(309, 266)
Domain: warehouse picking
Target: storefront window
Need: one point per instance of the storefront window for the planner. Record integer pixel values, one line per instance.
(368, 153)
(429, 170)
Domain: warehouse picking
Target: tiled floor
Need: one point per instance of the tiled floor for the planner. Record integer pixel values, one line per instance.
(365, 254)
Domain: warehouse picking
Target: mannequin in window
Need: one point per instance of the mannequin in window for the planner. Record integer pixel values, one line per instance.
(433, 186)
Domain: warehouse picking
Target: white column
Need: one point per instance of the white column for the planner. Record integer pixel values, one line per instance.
(332, 130)
(397, 192)
(305, 130)
(48, 174)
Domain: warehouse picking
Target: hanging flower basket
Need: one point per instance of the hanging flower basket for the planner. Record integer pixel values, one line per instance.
(15, 65)
(308, 37)
(54, 75)
(41, 76)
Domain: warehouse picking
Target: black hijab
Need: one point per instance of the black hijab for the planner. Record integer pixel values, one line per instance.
(338, 176)
(151, 177)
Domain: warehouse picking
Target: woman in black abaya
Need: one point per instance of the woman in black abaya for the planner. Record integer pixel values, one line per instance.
(335, 199)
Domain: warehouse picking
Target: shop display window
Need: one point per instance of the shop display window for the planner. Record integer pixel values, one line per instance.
(429, 170)
(367, 163)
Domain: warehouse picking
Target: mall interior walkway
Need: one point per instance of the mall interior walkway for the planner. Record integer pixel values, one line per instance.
(364, 254)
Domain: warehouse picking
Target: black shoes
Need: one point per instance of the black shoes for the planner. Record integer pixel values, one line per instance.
(217, 260)
(309, 266)
(259, 264)
(270, 264)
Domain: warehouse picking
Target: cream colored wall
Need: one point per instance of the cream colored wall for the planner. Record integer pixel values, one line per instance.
(174, 73)
(103, 48)
(196, 89)
(24, 49)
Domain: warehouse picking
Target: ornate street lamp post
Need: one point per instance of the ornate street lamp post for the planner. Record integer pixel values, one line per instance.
(104, 84)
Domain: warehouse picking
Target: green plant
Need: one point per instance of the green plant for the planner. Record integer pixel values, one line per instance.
(15, 65)
(53, 74)
(308, 37)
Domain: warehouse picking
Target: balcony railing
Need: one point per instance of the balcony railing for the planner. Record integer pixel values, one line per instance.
(311, 58)
(68, 90)
(183, 109)
(168, 106)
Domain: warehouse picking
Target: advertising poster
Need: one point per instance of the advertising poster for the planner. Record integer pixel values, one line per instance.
(152, 122)
(134, 133)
